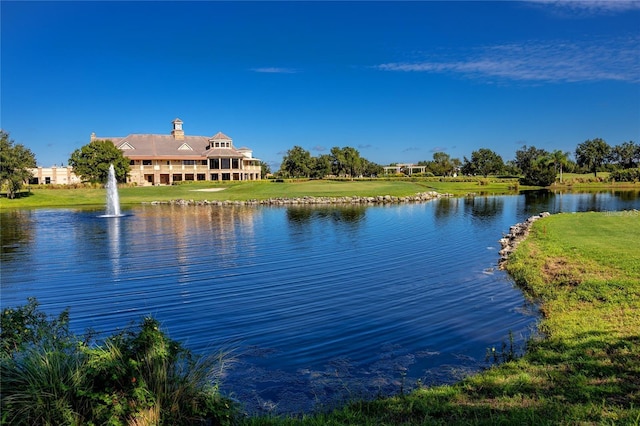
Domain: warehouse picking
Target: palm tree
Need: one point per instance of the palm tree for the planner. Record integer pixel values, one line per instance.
(560, 159)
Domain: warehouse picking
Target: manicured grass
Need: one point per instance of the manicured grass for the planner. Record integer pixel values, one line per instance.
(257, 190)
(584, 268)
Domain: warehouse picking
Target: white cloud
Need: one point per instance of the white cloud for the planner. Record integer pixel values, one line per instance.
(617, 60)
(590, 6)
(275, 70)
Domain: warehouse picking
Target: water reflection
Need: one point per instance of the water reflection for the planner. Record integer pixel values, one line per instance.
(319, 298)
(565, 201)
(339, 214)
(15, 231)
(114, 230)
(484, 208)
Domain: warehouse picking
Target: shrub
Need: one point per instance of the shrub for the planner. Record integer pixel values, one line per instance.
(49, 376)
(625, 175)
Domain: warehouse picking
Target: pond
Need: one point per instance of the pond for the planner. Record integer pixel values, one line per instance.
(321, 304)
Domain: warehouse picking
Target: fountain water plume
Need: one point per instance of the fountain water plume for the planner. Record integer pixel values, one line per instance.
(113, 199)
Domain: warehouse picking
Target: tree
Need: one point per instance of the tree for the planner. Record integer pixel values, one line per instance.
(297, 162)
(321, 166)
(265, 169)
(442, 164)
(560, 159)
(353, 161)
(627, 154)
(346, 161)
(526, 157)
(370, 168)
(91, 162)
(484, 162)
(592, 154)
(338, 161)
(15, 162)
(538, 166)
(543, 171)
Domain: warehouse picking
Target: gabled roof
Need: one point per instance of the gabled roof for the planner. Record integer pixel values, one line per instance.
(223, 152)
(220, 136)
(150, 146)
(125, 146)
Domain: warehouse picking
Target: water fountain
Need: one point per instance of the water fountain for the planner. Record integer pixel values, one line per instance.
(113, 199)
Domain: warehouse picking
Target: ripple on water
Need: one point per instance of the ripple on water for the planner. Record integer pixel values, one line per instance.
(323, 305)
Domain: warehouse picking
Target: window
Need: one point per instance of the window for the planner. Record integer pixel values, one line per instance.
(146, 162)
(204, 163)
(225, 163)
(214, 176)
(235, 163)
(132, 162)
(214, 163)
(201, 176)
(189, 162)
(226, 176)
(188, 176)
(177, 178)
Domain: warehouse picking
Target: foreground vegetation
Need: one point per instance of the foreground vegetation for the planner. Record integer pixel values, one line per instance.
(138, 376)
(584, 368)
(95, 195)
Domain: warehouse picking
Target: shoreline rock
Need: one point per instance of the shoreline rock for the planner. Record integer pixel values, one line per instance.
(283, 201)
(517, 233)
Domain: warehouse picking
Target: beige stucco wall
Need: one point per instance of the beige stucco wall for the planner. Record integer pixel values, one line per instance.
(54, 175)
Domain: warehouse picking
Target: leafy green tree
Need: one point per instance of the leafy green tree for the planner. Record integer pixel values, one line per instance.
(370, 168)
(592, 154)
(526, 157)
(338, 162)
(484, 162)
(353, 161)
(15, 162)
(265, 169)
(538, 166)
(321, 166)
(91, 162)
(543, 171)
(297, 162)
(346, 161)
(627, 154)
(442, 164)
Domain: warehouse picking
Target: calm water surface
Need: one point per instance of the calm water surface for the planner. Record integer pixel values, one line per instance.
(323, 304)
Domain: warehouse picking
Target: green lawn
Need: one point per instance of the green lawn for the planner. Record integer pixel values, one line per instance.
(584, 268)
(67, 197)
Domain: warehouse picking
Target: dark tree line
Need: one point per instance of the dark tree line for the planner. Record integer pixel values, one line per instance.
(537, 167)
(341, 162)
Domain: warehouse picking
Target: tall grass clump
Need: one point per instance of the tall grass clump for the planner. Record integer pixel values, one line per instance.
(137, 376)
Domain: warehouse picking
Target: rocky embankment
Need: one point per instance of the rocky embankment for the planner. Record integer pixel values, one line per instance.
(380, 199)
(517, 233)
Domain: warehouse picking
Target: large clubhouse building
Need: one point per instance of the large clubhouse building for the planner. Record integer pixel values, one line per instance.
(175, 157)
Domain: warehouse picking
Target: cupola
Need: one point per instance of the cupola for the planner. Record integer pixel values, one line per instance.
(177, 132)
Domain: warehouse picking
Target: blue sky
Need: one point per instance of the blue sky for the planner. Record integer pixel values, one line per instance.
(396, 80)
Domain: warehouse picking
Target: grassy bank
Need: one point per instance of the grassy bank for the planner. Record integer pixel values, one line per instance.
(63, 196)
(584, 269)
